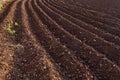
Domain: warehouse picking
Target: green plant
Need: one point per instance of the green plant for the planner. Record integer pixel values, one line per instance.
(1, 6)
(11, 30)
(16, 24)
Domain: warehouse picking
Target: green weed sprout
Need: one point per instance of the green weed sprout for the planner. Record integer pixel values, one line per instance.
(16, 24)
(11, 30)
(1, 6)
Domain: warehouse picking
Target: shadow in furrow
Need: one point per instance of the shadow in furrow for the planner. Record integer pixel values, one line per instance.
(69, 65)
(94, 29)
(83, 51)
(99, 44)
(6, 11)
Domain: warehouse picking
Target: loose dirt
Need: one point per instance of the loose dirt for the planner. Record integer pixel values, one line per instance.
(60, 40)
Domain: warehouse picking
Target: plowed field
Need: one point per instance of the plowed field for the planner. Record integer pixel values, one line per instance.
(60, 40)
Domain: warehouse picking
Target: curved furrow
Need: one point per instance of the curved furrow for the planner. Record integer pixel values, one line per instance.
(83, 17)
(55, 42)
(94, 28)
(69, 64)
(90, 39)
(90, 28)
(46, 68)
(12, 74)
(92, 15)
(7, 66)
(8, 16)
(6, 11)
(49, 71)
(34, 63)
(4, 17)
(110, 14)
(92, 58)
(91, 22)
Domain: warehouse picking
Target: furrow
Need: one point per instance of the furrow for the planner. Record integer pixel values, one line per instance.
(7, 66)
(92, 58)
(110, 13)
(90, 28)
(69, 65)
(91, 22)
(8, 18)
(34, 63)
(46, 69)
(8, 14)
(92, 15)
(110, 50)
(6, 11)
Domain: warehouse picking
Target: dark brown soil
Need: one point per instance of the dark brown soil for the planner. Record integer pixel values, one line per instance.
(60, 40)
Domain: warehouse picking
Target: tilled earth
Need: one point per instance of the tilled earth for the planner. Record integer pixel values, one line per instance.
(61, 40)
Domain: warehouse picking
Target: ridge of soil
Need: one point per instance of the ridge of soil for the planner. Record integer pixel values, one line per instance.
(60, 40)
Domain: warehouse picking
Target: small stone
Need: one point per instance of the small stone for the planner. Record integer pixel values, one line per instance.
(44, 67)
(94, 40)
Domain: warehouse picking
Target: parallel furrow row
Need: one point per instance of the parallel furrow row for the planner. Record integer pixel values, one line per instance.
(95, 29)
(83, 5)
(6, 11)
(80, 49)
(86, 37)
(60, 43)
(96, 24)
(104, 18)
(33, 63)
(58, 52)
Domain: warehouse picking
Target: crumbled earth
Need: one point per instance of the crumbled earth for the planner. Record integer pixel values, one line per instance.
(60, 40)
